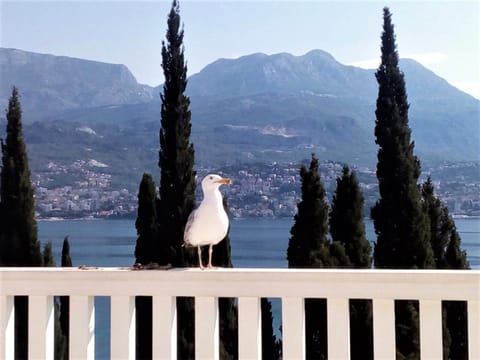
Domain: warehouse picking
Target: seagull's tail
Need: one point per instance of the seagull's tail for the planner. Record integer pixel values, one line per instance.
(187, 244)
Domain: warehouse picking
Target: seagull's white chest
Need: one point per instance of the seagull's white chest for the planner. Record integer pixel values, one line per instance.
(208, 224)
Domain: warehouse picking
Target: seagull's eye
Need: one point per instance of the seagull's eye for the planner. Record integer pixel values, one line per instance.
(211, 177)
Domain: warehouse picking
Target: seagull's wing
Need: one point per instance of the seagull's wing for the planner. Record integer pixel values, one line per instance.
(188, 226)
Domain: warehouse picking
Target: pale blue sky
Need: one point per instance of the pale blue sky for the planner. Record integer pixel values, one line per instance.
(442, 35)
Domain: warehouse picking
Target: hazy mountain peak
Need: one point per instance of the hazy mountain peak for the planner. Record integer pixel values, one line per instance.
(258, 107)
(316, 71)
(49, 83)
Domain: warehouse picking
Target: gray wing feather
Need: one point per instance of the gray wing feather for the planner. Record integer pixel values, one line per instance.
(186, 234)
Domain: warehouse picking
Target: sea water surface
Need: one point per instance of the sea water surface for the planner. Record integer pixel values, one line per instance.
(255, 243)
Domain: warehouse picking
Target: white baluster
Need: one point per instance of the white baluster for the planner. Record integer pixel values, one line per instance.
(384, 329)
(249, 328)
(40, 327)
(206, 328)
(164, 319)
(82, 327)
(431, 329)
(7, 327)
(293, 328)
(473, 310)
(338, 327)
(122, 325)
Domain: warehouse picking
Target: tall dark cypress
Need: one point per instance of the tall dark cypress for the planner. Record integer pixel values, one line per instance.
(147, 239)
(18, 227)
(60, 342)
(308, 247)
(448, 254)
(347, 220)
(227, 307)
(456, 311)
(146, 223)
(347, 229)
(270, 345)
(66, 258)
(65, 300)
(403, 237)
(176, 157)
(177, 177)
(400, 224)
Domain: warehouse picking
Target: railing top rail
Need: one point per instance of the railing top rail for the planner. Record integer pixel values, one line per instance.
(244, 282)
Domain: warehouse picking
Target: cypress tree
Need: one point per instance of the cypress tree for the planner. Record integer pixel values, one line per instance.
(47, 255)
(226, 306)
(177, 178)
(446, 242)
(66, 259)
(176, 156)
(347, 229)
(18, 227)
(65, 300)
(456, 311)
(446, 245)
(400, 224)
(60, 342)
(308, 247)
(270, 344)
(403, 237)
(147, 234)
(347, 220)
(146, 223)
(440, 226)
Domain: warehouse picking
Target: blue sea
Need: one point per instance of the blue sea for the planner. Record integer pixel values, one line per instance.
(256, 243)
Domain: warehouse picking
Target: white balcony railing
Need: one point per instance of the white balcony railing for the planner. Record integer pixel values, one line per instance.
(429, 287)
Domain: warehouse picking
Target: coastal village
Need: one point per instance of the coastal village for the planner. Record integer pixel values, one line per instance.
(87, 189)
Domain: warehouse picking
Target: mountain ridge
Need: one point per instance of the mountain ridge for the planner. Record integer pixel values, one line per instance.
(256, 108)
(51, 83)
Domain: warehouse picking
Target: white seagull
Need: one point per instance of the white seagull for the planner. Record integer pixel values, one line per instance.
(208, 224)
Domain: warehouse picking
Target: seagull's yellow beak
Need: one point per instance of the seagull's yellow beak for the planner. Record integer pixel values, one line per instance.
(225, 181)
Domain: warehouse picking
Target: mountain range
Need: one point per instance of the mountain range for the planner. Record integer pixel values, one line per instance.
(257, 108)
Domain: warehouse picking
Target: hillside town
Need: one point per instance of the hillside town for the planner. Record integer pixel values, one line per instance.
(84, 189)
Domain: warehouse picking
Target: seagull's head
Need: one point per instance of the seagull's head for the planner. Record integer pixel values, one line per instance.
(213, 181)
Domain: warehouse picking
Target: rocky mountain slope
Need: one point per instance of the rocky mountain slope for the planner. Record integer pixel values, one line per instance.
(257, 108)
(50, 84)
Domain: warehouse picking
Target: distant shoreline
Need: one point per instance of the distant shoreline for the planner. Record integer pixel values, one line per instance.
(56, 218)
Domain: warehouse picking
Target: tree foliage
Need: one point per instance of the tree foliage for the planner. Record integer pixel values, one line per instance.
(403, 236)
(351, 249)
(308, 247)
(448, 254)
(60, 338)
(271, 347)
(146, 252)
(400, 224)
(227, 307)
(146, 223)
(177, 177)
(65, 300)
(176, 156)
(66, 258)
(346, 220)
(18, 227)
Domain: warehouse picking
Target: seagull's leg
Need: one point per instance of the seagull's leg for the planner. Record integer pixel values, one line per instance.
(210, 251)
(199, 249)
